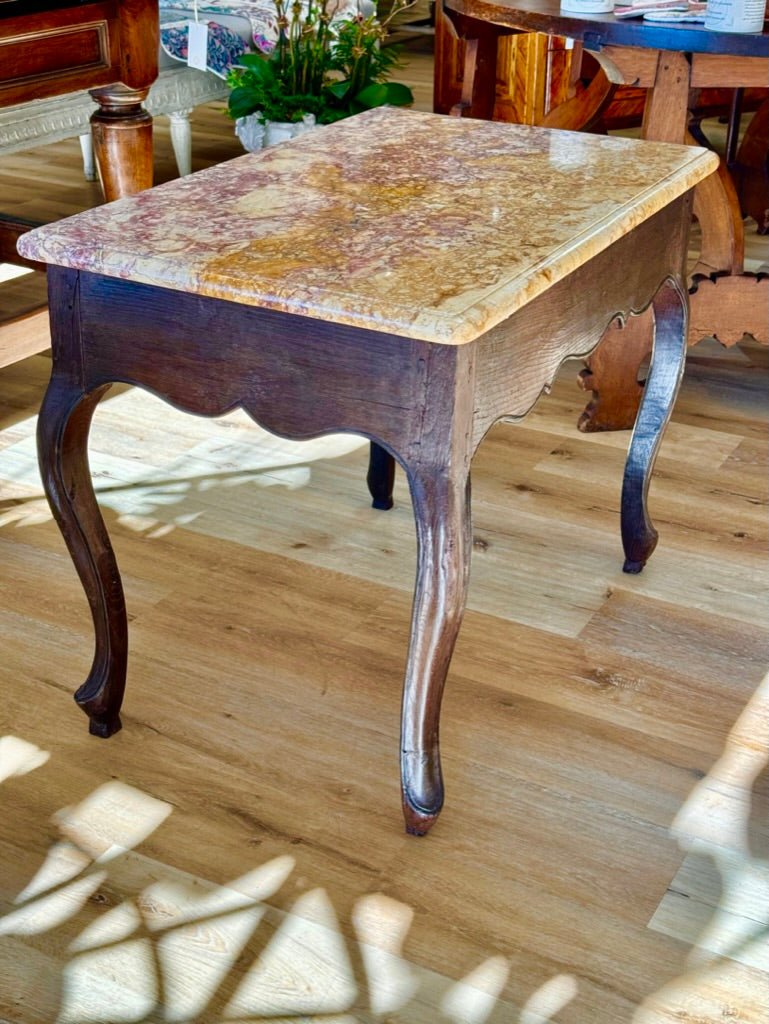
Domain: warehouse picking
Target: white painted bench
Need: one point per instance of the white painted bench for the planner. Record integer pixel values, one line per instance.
(176, 92)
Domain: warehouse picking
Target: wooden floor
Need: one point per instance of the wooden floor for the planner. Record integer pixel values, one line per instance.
(236, 853)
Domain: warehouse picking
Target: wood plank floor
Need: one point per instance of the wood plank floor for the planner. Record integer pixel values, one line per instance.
(236, 853)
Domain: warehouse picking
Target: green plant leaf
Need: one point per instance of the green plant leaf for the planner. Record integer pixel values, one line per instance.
(339, 89)
(398, 95)
(373, 95)
(379, 93)
(253, 61)
(331, 74)
(243, 101)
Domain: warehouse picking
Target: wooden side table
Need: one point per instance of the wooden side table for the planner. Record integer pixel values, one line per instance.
(408, 277)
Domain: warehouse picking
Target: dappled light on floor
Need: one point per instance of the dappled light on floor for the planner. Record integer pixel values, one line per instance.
(128, 432)
(723, 913)
(17, 757)
(144, 941)
(550, 999)
(152, 943)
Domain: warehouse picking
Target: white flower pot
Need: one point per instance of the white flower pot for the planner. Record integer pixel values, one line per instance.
(254, 135)
(250, 131)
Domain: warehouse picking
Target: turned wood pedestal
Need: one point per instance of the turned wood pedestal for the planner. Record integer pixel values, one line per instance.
(49, 47)
(397, 275)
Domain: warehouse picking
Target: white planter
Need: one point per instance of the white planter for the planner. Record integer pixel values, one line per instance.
(254, 135)
(250, 131)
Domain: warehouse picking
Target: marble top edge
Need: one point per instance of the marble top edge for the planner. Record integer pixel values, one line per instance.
(134, 238)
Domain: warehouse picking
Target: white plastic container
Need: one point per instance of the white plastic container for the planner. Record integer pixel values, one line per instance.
(587, 6)
(735, 15)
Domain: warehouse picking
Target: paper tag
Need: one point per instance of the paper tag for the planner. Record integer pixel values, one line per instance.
(197, 45)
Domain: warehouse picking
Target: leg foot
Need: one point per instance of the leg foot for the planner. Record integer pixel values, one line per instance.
(418, 822)
(63, 425)
(380, 477)
(632, 568)
(102, 726)
(639, 538)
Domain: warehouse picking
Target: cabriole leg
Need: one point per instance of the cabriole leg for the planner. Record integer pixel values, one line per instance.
(63, 426)
(380, 477)
(444, 542)
(639, 538)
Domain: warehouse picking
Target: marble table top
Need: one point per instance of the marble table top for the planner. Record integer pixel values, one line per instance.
(421, 225)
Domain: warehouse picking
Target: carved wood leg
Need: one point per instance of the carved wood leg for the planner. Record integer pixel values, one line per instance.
(441, 498)
(479, 74)
(65, 418)
(639, 538)
(122, 140)
(611, 373)
(752, 169)
(726, 302)
(612, 369)
(582, 112)
(717, 208)
(380, 477)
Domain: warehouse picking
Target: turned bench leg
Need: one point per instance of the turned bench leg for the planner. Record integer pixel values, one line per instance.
(639, 537)
(89, 163)
(122, 140)
(181, 140)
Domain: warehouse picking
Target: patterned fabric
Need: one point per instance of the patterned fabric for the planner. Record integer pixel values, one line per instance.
(259, 14)
(663, 10)
(225, 47)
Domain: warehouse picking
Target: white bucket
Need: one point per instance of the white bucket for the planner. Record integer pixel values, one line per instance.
(735, 15)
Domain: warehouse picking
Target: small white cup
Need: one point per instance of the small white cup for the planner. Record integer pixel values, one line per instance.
(587, 6)
(735, 15)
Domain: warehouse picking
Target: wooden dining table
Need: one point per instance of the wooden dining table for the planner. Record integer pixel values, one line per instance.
(672, 62)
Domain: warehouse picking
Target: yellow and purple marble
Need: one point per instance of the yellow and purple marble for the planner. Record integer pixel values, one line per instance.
(425, 226)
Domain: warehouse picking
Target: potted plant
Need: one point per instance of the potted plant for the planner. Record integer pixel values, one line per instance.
(321, 68)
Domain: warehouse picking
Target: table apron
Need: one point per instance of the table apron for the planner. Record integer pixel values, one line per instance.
(518, 360)
(712, 70)
(636, 66)
(300, 377)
